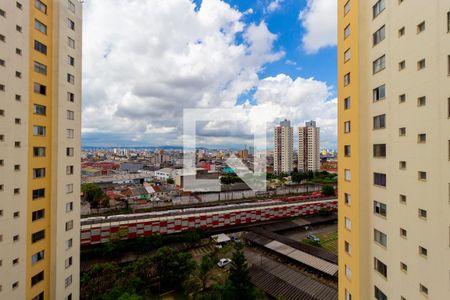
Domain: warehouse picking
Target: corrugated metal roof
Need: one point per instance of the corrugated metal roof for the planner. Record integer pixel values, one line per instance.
(278, 280)
(303, 257)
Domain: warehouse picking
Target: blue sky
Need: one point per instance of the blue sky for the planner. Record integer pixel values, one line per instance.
(272, 53)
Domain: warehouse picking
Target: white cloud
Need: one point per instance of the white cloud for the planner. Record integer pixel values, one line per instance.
(319, 19)
(274, 5)
(144, 61)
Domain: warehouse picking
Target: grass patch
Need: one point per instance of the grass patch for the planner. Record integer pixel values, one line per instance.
(328, 241)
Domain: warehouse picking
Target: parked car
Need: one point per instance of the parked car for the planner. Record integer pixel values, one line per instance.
(235, 239)
(312, 237)
(223, 262)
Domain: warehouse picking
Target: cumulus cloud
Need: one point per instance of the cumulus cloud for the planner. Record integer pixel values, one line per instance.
(145, 61)
(274, 5)
(319, 20)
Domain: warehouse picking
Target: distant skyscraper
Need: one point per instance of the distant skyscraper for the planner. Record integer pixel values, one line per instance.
(40, 124)
(309, 147)
(283, 148)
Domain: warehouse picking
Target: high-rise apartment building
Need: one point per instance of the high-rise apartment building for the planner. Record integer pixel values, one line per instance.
(40, 105)
(394, 149)
(309, 147)
(284, 148)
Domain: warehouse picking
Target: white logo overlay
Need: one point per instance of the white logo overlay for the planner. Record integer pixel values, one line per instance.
(253, 119)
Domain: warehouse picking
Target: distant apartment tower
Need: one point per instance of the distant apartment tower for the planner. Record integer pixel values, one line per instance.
(309, 147)
(394, 149)
(40, 106)
(283, 148)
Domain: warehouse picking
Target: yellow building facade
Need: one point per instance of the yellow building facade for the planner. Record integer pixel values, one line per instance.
(40, 108)
(394, 145)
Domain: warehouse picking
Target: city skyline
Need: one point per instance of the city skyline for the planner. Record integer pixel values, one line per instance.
(276, 54)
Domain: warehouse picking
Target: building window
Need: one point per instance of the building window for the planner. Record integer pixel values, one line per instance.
(448, 21)
(421, 64)
(40, 6)
(2, 62)
(2, 13)
(19, 5)
(40, 88)
(347, 127)
(69, 207)
(37, 278)
(347, 8)
(348, 272)
(16, 144)
(37, 236)
(421, 101)
(346, 79)
(69, 188)
(347, 31)
(379, 64)
(378, 8)
(347, 175)
(401, 31)
(39, 130)
(448, 107)
(347, 104)
(380, 267)
(379, 208)
(71, 6)
(379, 93)
(38, 46)
(422, 213)
(16, 238)
(15, 285)
(38, 193)
(71, 43)
(18, 51)
(347, 247)
(68, 262)
(379, 122)
(347, 199)
(379, 179)
(37, 215)
(347, 150)
(38, 172)
(70, 97)
(379, 150)
(403, 267)
(421, 27)
(71, 24)
(68, 281)
(40, 68)
(347, 55)
(70, 133)
(70, 60)
(422, 175)
(423, 251)
(379, 35)
(348, 223)
(37, 257)
(403, 233)
(69, 225)
(402, 199)
(379, 295)
(402, 131)
(16, 214)
(39, 109)
(448, 65)
(40, 26)
(423, 289)
(380, 237)
(401, 65)
(69, 151)
(69, 170)
(402, 165)
(2, 38)
(70, 78)
(70, 115)
(69, 244)
(18, 28)
(421, 138)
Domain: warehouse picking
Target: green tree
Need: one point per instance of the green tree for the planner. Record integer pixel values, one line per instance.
(298, 177)
(240, 286)
(92, 194)
(127, 296)
(172, 267)
(99, 280)
(204, 271)
(192, 286)
(170, 181)
(328, 190)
